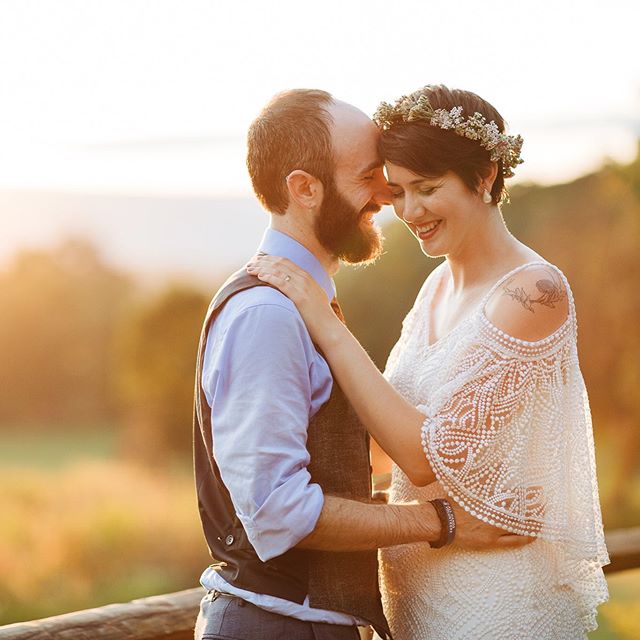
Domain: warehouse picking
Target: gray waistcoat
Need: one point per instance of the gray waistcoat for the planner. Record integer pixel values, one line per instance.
(339, 449)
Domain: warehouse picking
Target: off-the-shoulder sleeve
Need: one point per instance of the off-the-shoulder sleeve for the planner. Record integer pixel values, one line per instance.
(509, 437)
(497, 434)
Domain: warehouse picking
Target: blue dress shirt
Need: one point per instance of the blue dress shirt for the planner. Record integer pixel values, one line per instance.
(264, 380)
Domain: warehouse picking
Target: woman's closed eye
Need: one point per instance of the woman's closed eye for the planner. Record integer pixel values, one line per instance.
(425, 191)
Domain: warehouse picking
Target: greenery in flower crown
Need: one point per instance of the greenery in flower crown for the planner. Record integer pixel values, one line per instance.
(499, 145)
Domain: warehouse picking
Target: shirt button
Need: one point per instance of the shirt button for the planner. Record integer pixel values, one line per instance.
(229, 540)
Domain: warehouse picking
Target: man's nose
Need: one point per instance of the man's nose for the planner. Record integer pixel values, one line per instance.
(382, 194)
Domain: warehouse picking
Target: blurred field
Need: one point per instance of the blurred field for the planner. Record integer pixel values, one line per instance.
(78, 533)
(81, 529)
(619, 618)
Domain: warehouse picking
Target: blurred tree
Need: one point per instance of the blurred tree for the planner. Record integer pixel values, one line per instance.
(59, 311)
(591, 229)
(376, 298)
(155, 366)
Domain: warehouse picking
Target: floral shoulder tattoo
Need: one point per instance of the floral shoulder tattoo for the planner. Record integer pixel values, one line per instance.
(550, 291)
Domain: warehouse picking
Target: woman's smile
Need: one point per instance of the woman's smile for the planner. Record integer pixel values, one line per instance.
(428, 229)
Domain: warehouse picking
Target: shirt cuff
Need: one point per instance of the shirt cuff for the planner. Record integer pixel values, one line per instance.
(289, 514)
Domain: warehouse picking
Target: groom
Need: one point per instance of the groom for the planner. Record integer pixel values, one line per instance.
(281, 460)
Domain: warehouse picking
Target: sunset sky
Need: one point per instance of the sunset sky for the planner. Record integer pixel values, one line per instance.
(154, 97)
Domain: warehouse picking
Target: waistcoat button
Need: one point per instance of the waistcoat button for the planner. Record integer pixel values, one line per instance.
(229, 540)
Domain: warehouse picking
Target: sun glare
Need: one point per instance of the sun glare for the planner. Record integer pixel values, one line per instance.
(76, 75)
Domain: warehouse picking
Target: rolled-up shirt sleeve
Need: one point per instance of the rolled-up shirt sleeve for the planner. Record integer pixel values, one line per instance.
(257, 377)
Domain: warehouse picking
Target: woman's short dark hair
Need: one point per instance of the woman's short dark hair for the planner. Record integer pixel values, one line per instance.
(430, 151)
(292, 132)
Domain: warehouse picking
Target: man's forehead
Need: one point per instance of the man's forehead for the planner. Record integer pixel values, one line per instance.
(346, 117)
(354, 131)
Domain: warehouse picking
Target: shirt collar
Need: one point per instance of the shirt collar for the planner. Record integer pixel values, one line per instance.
(276, 243)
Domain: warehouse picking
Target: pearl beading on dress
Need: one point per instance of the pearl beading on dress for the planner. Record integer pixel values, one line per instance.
(508, 434)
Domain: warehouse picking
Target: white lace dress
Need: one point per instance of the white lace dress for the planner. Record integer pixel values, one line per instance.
(508, 432)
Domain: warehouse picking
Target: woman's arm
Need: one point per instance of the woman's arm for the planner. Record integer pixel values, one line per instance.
(392, 421)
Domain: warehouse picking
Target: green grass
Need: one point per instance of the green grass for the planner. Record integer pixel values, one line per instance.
(54, 449)
(619, 618)
(94, 532)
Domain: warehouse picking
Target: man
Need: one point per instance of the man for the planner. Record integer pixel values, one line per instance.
(285, 493)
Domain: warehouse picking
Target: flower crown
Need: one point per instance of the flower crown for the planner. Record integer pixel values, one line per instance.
(499, 145)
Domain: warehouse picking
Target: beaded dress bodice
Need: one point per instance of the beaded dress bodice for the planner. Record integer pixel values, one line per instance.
(508, 433)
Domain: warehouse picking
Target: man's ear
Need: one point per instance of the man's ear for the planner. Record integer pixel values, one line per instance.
(304, 189)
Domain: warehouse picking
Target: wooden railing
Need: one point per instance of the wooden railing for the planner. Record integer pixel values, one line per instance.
(172, 616)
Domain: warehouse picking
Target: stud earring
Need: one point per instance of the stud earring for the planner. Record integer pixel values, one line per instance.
(486, 197)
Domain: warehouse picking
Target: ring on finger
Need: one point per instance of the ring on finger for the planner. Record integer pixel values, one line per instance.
(287, 278)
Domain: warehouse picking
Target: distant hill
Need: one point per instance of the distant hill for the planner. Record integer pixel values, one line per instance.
(151, 235)
(194, 237)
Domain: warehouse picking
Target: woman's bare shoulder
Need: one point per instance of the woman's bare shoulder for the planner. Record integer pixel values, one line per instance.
(530, 304)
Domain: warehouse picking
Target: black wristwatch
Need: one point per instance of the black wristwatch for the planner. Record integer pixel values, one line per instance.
(447, 521)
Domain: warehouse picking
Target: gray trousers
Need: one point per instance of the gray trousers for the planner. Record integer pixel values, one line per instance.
(225, 617)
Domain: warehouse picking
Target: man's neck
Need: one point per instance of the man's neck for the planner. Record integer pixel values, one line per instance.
(303, 234)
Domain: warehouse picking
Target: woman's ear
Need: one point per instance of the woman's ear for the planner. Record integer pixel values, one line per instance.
(489, 178)
(304, 189)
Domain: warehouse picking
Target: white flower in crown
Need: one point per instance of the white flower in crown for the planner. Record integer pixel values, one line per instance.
(499, 145)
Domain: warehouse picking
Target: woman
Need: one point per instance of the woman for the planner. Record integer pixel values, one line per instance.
(486, 403)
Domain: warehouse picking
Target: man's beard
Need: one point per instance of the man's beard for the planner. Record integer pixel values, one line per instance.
(340, 230)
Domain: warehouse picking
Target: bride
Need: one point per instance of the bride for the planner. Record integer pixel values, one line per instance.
(483, 390)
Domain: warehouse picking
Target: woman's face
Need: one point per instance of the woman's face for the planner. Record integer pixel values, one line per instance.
(441, 212)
